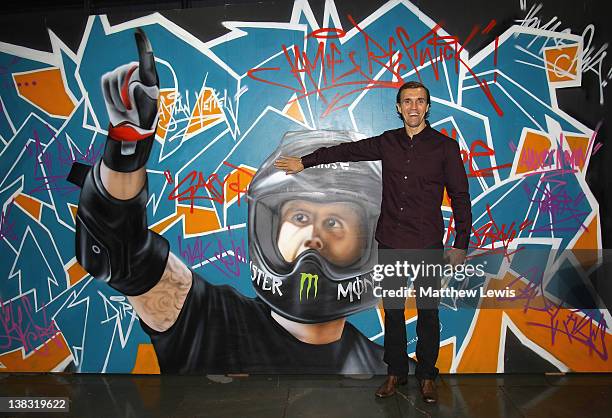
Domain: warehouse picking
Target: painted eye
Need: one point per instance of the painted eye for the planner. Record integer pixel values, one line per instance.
(333, 223)
(300, 219)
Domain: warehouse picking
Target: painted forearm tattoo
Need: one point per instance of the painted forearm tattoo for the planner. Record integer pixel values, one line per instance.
(159, 307)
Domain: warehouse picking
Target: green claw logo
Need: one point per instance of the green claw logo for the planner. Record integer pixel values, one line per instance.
(312, 278)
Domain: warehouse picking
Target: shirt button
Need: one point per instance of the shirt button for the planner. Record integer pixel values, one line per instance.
(405, 177)
(407, 161)
(401, 208)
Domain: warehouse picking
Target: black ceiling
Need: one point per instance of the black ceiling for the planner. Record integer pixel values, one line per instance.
(103, 6)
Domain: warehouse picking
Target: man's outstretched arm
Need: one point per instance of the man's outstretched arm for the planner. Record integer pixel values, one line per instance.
(113, 242)
(364, 150)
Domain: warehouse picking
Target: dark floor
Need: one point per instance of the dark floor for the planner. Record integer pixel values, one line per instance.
(572, 396)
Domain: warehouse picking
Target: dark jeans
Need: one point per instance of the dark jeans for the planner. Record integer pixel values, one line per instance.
(427, 328)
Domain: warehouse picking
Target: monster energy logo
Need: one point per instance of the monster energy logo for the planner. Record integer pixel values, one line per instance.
(312, 278)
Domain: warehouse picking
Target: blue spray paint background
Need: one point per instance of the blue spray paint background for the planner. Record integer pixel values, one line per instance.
(99, 326)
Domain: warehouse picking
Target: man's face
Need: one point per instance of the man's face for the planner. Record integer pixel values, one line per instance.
(413, 107)
(333, 229)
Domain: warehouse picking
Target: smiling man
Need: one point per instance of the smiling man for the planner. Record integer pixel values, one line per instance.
(418, 164)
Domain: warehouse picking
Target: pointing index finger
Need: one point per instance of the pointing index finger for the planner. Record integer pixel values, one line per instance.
(146, 60)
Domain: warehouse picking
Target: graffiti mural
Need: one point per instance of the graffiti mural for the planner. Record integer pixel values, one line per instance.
(225, 106)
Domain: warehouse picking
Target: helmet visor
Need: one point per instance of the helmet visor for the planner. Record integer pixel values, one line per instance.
(339, 227)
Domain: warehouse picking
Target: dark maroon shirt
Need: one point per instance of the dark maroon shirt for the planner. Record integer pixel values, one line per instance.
(414, 173)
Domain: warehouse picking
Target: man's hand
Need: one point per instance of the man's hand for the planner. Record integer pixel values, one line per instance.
(290, 165)
(130, 94)
(455, 256)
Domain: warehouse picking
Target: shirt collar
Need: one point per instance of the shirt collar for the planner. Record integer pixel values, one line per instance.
(421, 135)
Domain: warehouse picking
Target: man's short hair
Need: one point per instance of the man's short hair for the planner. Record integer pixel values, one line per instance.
(412, 85)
